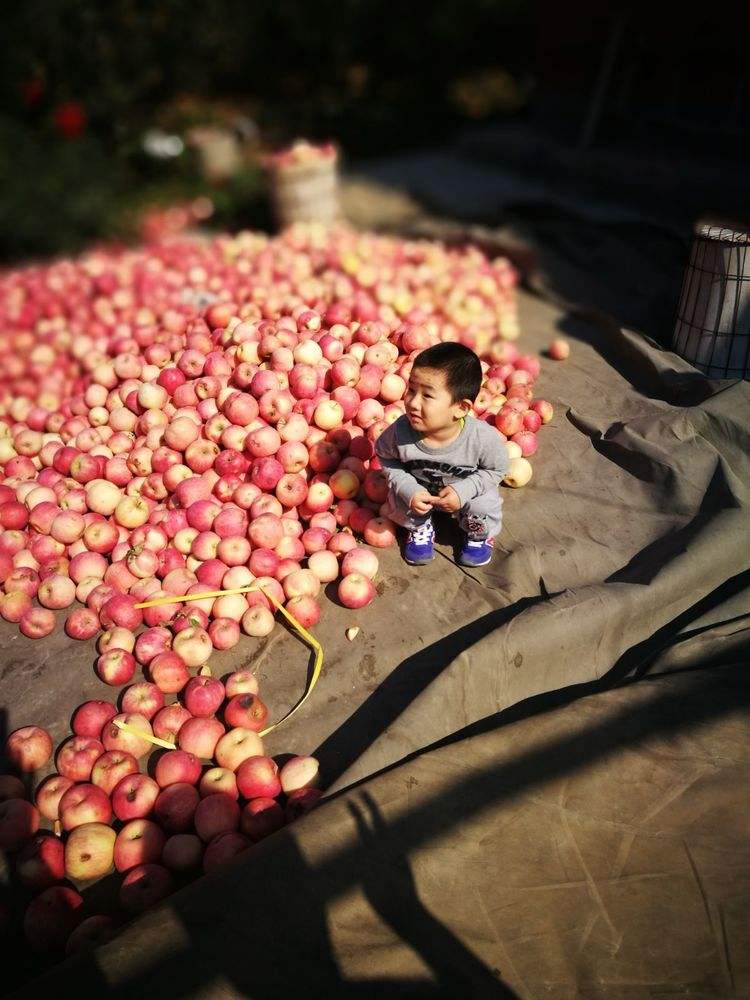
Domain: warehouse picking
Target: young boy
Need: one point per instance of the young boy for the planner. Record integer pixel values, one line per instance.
(438, 457)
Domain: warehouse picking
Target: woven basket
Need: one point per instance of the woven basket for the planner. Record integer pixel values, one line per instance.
(713, 319)
(305, 193)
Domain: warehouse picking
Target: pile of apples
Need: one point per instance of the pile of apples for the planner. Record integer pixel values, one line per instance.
(157, 829)
(193, 416)
(153, 447)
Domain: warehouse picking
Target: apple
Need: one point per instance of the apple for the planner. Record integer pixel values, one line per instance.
(356, 591)
(85, 803)
(11, 787)
(193, 645)
(380, 532)
(559, 350)
(299, 772)
(111, 768)
(260, 818)
(89, 934)
(49, 793)
(19, 821)
(360, 560)
(116, 638)
(222, 849)
(240, 682)
(169, 672)
(177, 766)
(89, 851)
(51, 918)
(41, 862)
(183, 852)
(128, 739)
(246, 711)
(139, 842)
(175, 807)
(77, 756)
(216, 814)
(90, 718)
(300, 802)
(133, 796)
(344, 484)
(324, 565)
(519, 472)
(237, 745)
(258, 777)
(168, 722)
(29, 748)
(200, 736)
(218, 779)
(203, 696)
(144, 886)
(142, 699)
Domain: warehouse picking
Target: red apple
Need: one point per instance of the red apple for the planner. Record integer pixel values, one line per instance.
(49, 793)
(91, 717)
(111, 768)
(216, 814)
(133, 796)
(145, 886)
(139, 842)
(177, 766)
(85, 803)
(89, 934)
(222, 849)
(168, 722)
(183, 852)
(175, 807)
(246, 711)
(77, 756)
(142, 699)
(261, 817)
(203, 696)
(200, 736)
(51, 918)
(258, 777)
(29, 748)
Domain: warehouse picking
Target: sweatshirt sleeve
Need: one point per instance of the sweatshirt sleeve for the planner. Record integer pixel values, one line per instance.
(492, 464)
(403, 484)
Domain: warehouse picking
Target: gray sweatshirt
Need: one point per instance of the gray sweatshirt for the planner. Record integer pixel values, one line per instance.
(474, 464)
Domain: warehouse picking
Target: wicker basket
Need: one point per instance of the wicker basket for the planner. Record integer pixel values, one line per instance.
(713, 319)
(305, 193)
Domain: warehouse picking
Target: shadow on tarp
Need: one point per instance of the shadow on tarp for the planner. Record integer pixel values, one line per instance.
(260, 928)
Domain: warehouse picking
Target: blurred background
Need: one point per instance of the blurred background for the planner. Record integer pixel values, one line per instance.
(591, 135)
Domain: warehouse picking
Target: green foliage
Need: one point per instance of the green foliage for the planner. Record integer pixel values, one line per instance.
(374, 75)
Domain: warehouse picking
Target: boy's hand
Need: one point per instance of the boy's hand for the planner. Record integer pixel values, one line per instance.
(421, 502)
(447, 500)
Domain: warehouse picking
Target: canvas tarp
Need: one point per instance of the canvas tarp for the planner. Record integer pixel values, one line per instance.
(627, 555)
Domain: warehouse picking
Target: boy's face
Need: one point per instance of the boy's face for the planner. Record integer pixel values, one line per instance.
(429, 405)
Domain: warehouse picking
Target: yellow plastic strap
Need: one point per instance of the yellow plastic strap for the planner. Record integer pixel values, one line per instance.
(300, 629)
(144, 736)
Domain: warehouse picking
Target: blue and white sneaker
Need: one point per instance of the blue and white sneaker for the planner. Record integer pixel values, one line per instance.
(476, 552)
(419, 548)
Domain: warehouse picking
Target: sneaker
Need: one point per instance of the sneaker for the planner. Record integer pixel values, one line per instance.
(476, 552)
(419, 545)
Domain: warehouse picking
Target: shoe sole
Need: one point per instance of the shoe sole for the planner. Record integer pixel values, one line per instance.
(473, 565)
(418, 562)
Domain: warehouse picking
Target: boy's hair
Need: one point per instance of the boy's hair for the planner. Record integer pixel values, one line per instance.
(461, 366)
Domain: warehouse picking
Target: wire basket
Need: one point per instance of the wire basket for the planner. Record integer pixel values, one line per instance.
(305, 193)
(713, 319)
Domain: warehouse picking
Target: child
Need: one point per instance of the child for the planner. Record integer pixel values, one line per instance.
(438, 457)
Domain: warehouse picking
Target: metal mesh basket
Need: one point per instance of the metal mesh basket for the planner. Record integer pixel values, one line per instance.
(713, 319)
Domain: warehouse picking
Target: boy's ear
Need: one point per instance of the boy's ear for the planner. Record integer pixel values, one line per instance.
(465, 406)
